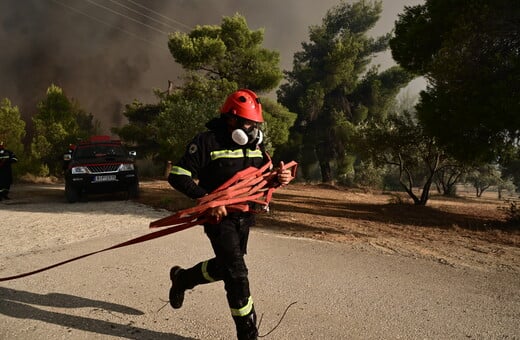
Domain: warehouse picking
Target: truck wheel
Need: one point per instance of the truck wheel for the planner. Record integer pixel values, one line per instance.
(71, 194)
(133, 191)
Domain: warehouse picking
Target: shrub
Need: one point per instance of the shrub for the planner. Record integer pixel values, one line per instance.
(512, 211)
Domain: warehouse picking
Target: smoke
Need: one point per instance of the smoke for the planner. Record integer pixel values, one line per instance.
(95, 62)
(105, 60)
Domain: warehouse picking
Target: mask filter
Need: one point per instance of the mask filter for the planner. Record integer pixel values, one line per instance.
(242, 137)
(239, 136)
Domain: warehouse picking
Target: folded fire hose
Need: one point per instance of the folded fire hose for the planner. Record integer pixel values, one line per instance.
(251, 185)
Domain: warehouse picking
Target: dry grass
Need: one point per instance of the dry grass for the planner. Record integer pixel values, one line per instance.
(456, 231)
(30, 178)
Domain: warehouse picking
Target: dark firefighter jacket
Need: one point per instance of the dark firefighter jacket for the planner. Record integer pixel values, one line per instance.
(213, 158)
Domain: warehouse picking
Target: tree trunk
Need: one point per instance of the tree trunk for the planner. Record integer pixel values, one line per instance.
(326, 173)
(325, 155)
(425, 195)
(410, 193)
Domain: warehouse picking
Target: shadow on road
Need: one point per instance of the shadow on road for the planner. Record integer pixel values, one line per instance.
(20, 304)
(26, 193)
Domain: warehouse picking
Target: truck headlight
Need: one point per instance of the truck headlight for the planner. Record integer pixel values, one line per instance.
(78, 170)
(126, 167)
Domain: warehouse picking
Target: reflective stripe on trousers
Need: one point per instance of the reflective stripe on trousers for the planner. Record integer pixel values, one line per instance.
(244, 310)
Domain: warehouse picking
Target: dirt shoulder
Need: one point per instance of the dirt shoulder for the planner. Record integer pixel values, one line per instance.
(457, 232)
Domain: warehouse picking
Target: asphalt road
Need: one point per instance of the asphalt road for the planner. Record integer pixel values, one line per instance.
(340, 292)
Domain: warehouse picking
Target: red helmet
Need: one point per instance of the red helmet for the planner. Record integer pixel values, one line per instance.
(244, 103)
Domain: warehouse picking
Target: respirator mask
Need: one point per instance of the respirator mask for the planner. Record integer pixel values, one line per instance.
(243, 137)
(247, 135)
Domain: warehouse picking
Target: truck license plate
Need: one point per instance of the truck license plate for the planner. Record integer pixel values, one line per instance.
(105, 178)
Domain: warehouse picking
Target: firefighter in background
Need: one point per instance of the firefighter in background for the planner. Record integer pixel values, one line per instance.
(232, 143)
(6, 174)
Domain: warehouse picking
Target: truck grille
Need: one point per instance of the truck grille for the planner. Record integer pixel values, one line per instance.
(97, 169)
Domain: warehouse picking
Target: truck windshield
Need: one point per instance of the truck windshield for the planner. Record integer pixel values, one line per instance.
(93, 151)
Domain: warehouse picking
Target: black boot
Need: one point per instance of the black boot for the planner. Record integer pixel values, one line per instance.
(176, 291)
(246, 326)
(183, 279)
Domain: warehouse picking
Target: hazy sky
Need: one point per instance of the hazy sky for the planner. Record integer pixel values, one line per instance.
(104, 54)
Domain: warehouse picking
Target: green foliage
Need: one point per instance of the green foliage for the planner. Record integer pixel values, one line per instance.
(162, 131)
(218, 60)
(376, 93)
(58, 123)
(512, 169)
(278, 120)
(505, 184)
(391, 179)
(12, 129)
(512, 210)
(484, 177)
(139, 131)
(230, 51)
(448, 176)
(182, 114)
(470, 53)
(12, 132)
(401, 143)
(180, 119)
(368, 175)
(330, 89)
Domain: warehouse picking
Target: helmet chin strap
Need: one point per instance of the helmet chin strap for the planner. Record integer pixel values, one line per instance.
(242, 137)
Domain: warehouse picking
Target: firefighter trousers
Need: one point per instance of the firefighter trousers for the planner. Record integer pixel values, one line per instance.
(229, 241)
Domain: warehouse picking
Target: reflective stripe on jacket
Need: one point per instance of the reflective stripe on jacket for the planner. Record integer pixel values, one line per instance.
(212, 158)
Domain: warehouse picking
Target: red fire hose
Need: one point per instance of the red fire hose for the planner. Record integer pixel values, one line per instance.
(250, 185)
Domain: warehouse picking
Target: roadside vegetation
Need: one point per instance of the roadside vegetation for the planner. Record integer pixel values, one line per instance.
(342, 118)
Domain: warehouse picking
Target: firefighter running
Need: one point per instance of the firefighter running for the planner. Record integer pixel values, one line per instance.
(6, 175)
(232, 143)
